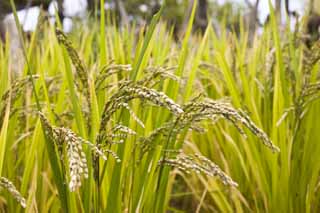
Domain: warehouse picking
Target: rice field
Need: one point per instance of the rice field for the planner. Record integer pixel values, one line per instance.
(131, 120)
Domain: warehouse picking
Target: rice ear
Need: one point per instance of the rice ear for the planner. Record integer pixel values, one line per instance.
(5, 183)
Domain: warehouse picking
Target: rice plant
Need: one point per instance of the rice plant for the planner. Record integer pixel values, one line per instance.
(107, 120)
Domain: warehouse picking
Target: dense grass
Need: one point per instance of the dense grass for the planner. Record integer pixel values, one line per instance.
(156, 107)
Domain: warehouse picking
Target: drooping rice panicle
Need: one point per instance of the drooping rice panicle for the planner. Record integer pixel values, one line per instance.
(133, 115)
(77, 159)
(81, 71)
(124, 129)
(110, 70)
(155, 74)
(131, 91)
(198, 164)
(311, 89)
(209, 109)
(311, 57)
(5, 183)
(15, 91)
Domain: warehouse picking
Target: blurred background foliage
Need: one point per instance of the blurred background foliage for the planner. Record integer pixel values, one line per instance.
(176, 12)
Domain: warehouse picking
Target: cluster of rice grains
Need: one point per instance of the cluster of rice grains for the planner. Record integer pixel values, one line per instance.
(198, 164)
(209, 109)
(80, 68)
(5, 183)
(79, 65)
(311, 57)
(129, 91)
(13, 94)
(78, 167)
(197, 111)
(310, 90)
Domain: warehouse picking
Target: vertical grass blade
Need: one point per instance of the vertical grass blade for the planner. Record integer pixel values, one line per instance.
(3, 136)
